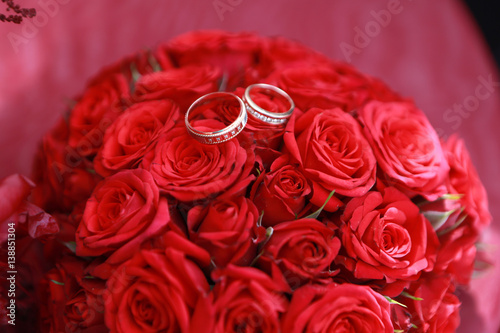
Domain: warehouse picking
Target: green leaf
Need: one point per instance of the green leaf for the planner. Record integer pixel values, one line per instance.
(259, 221)
(89, 277)
(70, 102)
(316, 213)
(135, 72)
(414, 326)
(405, 294)
(135, 76)
(71, 246)
(481, 265)
(451, 197)
(484, 247)
(57, 282)
(453, 227)
(398, 331)
(258, 171)
(424, 202)
(153, 62)
(257, 257)
(392, 301)
(438, 219)
(269, 233)
(223, 82)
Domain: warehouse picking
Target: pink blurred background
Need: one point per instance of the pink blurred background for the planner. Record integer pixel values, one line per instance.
(430, 50)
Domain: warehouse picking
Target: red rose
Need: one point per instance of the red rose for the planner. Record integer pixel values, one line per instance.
(386, 238)
(281, 193)
(189, 170)
(94, 112)
(407, 148)
(337, 308)
(304, 251)
(73, 300)
(182, 85)
(231, 53)
(434, 308)
(227, 229)
(333, 153)
(329, 86)
(157, 291)
(463, 179)
(244, 299)
(125, 210)
(134, 134)
(63, 178)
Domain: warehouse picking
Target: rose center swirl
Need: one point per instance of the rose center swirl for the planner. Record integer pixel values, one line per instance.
(396, 240)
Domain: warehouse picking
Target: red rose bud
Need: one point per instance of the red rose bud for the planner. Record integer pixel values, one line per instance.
(281, 193)
(303, 250)
(337, 308)
(385, 238)
(407, 148)
(401, 318)
(333, 153)
(227, 229)
(157, 291)
(124, 211)
(244, 299)
(134, 134)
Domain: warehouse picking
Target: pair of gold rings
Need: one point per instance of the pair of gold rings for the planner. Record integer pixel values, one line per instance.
(226, 105)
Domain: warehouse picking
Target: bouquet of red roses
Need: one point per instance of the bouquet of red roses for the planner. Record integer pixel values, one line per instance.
(234, 183)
